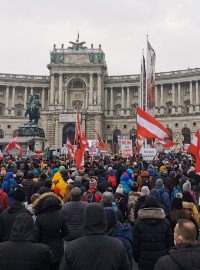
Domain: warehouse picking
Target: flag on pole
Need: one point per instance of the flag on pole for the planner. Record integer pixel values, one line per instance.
(14, 144)
(78, 128)
(70, 149)
(150, 128)
(143, 84)
(167, 143)
(198, 153)
(100, 140)
(151, 59)
(193, 145)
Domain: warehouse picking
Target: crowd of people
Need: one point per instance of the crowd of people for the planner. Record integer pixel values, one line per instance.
(113, 213)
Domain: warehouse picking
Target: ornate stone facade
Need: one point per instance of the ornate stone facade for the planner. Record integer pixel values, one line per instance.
(78, 80)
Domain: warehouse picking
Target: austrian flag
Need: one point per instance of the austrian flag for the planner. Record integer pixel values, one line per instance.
(148, 127)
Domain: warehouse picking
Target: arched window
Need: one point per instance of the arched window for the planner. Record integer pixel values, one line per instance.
(19, 110)
(1, 134)
(116, 135)
(186, 135)
(77, 84)
(68, 132)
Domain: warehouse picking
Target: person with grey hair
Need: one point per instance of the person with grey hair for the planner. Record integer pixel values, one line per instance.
(73, 212)
(164, 196)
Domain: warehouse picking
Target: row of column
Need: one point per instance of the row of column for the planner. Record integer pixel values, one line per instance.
(111, 107)
(25, 97)
(179, 94)
(90, 97)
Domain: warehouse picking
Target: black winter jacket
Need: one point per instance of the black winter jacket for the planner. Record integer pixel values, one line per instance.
(152, 237)
(73, 212)
(20, 253)
(181, 257)
(50, 223)
(7, 218)
(95, 250)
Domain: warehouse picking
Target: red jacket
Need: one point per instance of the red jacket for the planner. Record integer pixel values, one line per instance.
(3, 199)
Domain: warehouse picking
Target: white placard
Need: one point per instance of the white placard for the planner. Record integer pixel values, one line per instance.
(68, 117)
(148, 153)
(126, 148)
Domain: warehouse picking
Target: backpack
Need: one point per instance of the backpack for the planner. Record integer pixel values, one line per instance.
(91, 197)
(10, 188)
(112, 180)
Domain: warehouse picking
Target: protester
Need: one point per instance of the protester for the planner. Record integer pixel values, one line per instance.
(165, 199)
(95, 250)
(186, 253)
(21, 252)
(9, 185)
(3, 199)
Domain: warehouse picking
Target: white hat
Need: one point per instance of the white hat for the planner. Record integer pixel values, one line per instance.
(70, 181)
(120, 189)
(145, 191)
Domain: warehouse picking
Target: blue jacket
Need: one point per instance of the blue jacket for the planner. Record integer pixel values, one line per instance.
(126, 182)
(125, 235)
(164, 198)
(9, 180)
(152, 172)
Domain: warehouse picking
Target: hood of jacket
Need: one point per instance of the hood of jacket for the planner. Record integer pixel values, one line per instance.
(134, 193)
(151, 213)
(94, 219)
(186, 256)
(47, 202)
(15, 206)
(23, 228)
(145, 174)
(123, 231)
(8, 176)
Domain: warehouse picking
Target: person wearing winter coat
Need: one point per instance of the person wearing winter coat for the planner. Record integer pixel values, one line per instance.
(186, 253)
(123, 232)
(144, 179)
(7, 216)
(126, 180)
(140, 201)
(165, 199)
(132, 199)
(152, 234)
(20, 252)
(8, 186)
(28, 185)
(50, 224)
(95, 250)
(73, 212)
(3, 199)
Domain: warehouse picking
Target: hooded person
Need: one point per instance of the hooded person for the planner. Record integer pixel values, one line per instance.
(58, 184)
(152, 234)
(123, 232)
(82, 253)
(165, 199)
(126, 180)
(50, 224)
(21, 252)
(8, 215)
(9, 185)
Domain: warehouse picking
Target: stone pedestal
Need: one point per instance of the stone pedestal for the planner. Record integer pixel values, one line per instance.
(191, 109)
(179, 110)
(162, 110)
(173, 110)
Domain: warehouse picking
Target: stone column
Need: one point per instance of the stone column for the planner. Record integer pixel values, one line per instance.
(173, 99)
(156, 96)
(162, 108)
(128, 102)
(99, 90)
(122, 108)
(25, 98)
(13, 102)
(191, 99)
(111, 101)
(66, 99)
(197, 97)
(179, 99)
(60, 98)
(106, 101)
(43, 98)
(52, 90)
(91, 90)
(31, 91)
(7, 100)
(56, 134)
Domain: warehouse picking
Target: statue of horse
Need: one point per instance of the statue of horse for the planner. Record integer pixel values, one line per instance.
(33, 109)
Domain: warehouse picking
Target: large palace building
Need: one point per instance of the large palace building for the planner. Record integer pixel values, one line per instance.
(78, 79)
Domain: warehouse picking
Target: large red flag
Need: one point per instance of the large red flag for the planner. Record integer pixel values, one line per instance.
(193, 145)
(150, 128)
(198, 152)
(102, 145)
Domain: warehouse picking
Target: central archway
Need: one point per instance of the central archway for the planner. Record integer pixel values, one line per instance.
(68, 132)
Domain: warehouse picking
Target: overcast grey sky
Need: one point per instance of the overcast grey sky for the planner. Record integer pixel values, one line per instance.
(29, 28)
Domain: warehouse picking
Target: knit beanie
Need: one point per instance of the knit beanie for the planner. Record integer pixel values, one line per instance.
(120, 189)
(145, 191)
(187, 186)
(107, 198)
(111, 217)
(61, 168)
(19, 194)
(159, 183)
(150, 201)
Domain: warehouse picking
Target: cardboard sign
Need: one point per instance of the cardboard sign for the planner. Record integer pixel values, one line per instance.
(126, 148)
(148, 153)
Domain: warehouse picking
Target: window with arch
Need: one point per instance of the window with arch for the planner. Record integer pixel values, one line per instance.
(19, 110)
(77, 84)
(186, 135)
(1, 134)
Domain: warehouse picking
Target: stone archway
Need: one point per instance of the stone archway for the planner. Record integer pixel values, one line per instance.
(68, 132)
(186, 135)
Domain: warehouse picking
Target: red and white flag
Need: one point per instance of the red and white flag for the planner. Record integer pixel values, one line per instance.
(78, 128)
(197, 167)
(70, 149)
(102, 145)
(150, 128)
(193, 145)
(167, 143)
(140, 143)
(1, 155)
(14, 144)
